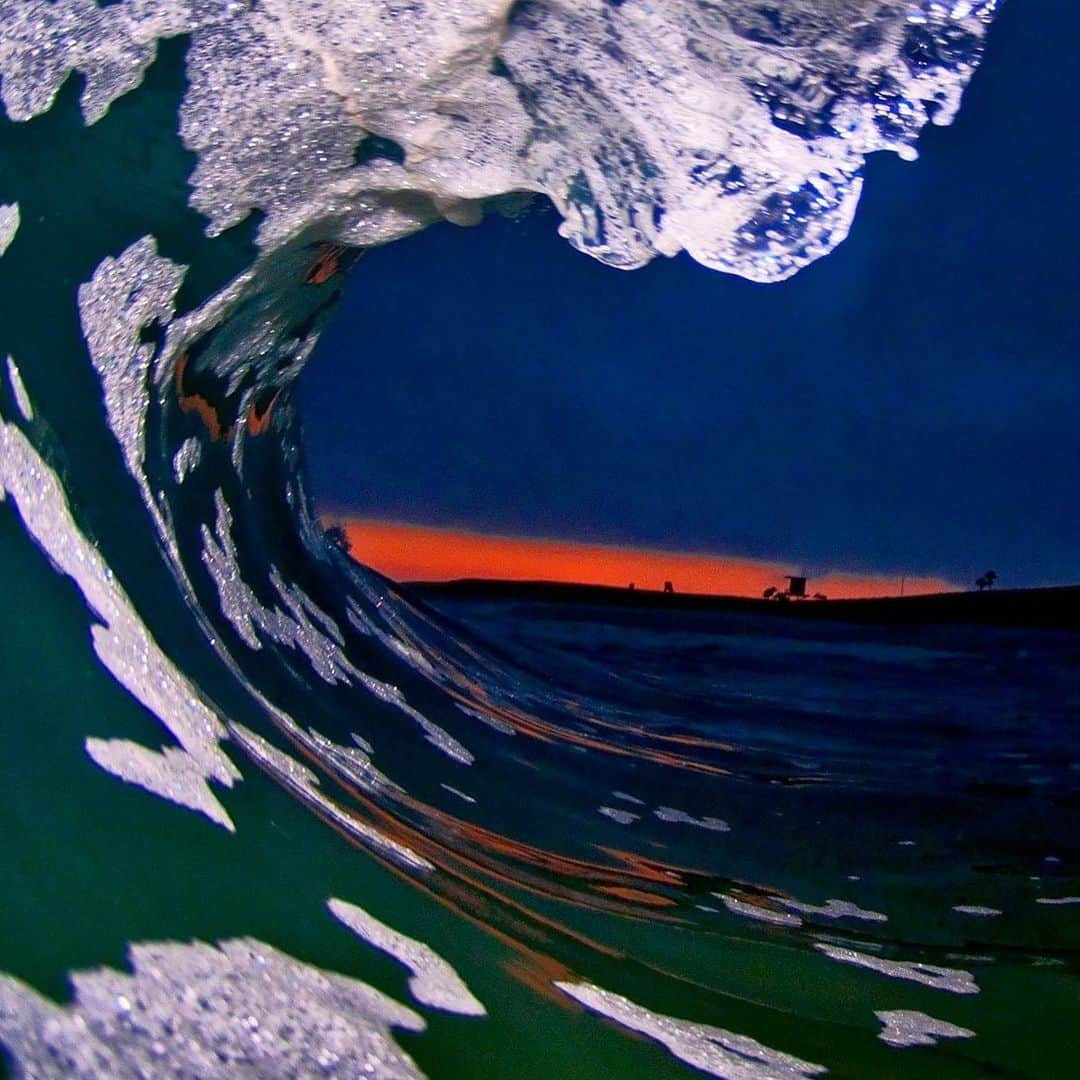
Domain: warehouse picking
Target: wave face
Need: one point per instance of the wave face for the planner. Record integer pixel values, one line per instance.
(770, 852)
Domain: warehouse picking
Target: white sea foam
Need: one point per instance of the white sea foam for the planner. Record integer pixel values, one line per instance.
(733, 132)
(491, 721)
(302, 624)
(976, 910)
(170, 774)
(9, 224)
(459, 794)
(238, 1009)
(297, 623)
(1057, 900)
(123, 644)
(303, 783)
(352, 763)
(939, 978)
(832, 909)
(18, 390)
(441, 739)
(41, 43)
(621, 817)
(433, 981)
(681, 817)
(187, 459)
(760, 914)
(124, 295)
(710, 1049)
(904, 1028)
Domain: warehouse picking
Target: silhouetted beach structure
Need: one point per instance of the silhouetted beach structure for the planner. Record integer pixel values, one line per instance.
(796, 590)
(668, 587)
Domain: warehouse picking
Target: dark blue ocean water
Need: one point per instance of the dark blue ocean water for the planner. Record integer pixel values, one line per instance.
(969, 733)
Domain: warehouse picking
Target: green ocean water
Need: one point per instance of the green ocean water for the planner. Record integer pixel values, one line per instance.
(90, 865)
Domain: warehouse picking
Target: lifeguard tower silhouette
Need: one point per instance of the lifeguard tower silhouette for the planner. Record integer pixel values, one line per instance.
(796, 589)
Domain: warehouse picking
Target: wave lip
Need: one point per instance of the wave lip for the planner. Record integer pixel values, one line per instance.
(735, 133)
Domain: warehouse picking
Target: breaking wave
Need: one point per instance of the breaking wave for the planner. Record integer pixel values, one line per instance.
(578, 810)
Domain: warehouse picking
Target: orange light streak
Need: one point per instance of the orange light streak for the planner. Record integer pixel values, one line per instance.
(408, 552)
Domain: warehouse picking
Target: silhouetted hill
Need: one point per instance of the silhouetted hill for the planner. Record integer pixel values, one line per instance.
(1045, 608)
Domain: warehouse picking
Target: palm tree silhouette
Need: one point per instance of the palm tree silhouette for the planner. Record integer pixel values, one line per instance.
(991, 578)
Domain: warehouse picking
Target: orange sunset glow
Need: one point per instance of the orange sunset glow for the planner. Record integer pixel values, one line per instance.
(407, 552)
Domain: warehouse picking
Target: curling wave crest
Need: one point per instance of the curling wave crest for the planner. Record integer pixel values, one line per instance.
(735, 131)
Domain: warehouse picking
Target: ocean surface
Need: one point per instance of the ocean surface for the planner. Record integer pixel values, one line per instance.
(263, 812)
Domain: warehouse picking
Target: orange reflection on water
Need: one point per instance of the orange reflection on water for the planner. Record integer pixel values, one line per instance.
(195, 402)
(408, 552)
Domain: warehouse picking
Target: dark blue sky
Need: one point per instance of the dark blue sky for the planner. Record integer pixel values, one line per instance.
(909, 403)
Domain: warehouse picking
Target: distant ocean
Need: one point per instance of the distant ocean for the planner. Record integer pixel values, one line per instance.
(494, 839)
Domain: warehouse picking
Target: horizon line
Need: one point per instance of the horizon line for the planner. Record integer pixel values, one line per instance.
(407, 551)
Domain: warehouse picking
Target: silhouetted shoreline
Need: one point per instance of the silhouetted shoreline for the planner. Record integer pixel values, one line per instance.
(1047, 608)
